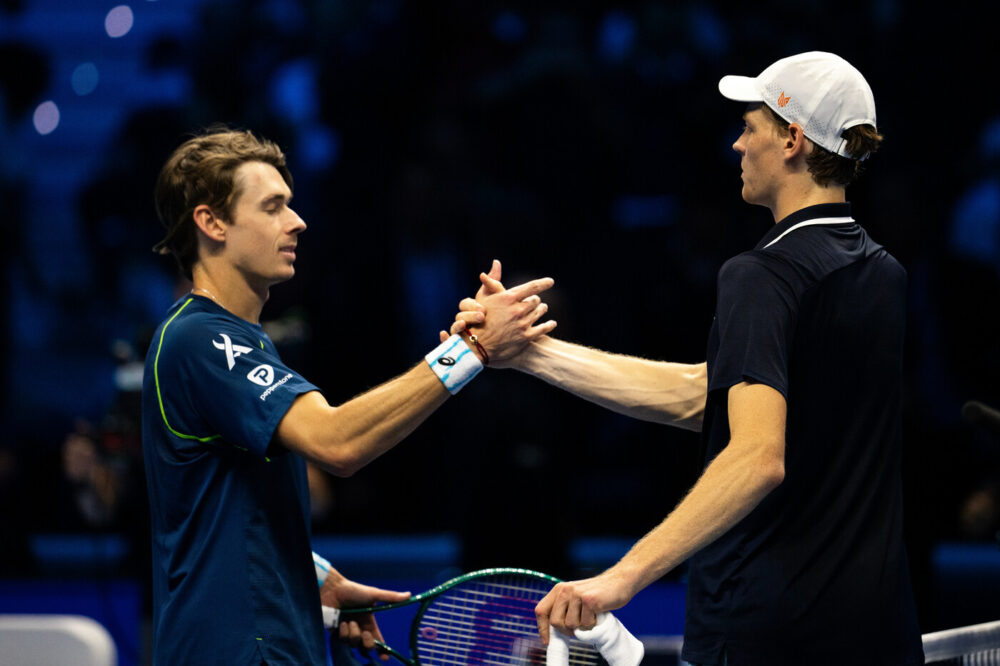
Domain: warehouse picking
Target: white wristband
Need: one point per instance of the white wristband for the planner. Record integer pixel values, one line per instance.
(322, 569)
(454, 363)
(331, 617)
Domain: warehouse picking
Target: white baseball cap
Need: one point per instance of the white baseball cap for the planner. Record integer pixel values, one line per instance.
(820, 91)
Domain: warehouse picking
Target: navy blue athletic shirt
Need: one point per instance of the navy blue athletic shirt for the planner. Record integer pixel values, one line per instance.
(817, 572)
(233, 578)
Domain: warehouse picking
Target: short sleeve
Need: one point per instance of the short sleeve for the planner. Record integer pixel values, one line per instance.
(755, 322)
(222, 383)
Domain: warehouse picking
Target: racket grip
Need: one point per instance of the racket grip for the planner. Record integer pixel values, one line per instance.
(557, 654)
(615, 643)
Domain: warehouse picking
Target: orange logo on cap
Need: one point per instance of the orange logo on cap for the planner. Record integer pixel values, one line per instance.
(782, 100)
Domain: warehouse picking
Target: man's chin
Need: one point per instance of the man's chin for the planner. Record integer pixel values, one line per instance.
(283, 276)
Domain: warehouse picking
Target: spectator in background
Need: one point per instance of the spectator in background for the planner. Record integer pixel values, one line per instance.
(92, 487)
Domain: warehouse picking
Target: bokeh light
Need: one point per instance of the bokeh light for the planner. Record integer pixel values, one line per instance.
(85, 78)
(46, 117)
(118, 21)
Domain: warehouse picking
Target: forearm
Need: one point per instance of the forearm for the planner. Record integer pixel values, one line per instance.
(734, 483)
(658, 391)
(345, 438)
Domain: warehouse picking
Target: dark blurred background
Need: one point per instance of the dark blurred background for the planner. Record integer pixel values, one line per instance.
(585, 141)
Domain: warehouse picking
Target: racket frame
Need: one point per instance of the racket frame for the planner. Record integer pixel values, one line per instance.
(425, 599)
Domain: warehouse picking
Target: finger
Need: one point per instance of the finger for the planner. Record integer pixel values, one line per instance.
(367, 640)
(467, 304)
(587, 617)
(443, 335)
(350, 632)
(532, 301)
(543, 628)
(557, 618)
(533, 315)
(541, 329)
(522, 291)
(457, 327)
(495, 270)
(542, 610)
(490, 286)
(572, 618)
(470, 318)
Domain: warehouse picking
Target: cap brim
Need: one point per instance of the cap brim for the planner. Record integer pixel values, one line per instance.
(740, 88)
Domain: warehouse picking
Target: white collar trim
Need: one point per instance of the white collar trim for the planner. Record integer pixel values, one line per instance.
(806, 223)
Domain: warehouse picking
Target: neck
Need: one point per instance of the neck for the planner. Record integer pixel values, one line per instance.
(235, 296)
(802, 195)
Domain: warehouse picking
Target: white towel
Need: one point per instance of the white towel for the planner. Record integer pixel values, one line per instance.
(609, 636)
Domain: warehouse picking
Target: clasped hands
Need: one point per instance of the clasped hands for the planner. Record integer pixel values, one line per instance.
(503, 320)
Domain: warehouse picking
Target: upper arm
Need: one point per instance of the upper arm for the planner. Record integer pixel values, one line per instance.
(756, 315)
(757, 422)
(300, 428)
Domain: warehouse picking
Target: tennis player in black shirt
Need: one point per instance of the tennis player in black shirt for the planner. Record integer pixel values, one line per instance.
(794, 530)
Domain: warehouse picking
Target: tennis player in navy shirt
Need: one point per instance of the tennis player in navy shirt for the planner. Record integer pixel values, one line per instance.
(228, 427)
(794, 529)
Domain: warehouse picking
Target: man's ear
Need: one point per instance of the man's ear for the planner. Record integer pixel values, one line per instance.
(796, 142)
(209, 223)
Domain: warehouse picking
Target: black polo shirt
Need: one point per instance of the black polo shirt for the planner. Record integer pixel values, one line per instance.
(817, 573)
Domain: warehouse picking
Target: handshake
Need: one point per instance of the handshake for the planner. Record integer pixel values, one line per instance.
(499, 323)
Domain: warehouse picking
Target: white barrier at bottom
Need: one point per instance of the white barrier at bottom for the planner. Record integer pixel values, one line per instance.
(42, 640)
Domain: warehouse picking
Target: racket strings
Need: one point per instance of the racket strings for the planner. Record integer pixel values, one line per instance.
(489, 621)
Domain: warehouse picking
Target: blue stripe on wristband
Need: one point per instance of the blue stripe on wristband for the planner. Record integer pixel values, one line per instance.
(322, 568)
(454, 363)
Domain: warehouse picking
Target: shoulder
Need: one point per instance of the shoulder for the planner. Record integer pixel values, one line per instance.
(892, 265)
(753, 266)
(193, 332)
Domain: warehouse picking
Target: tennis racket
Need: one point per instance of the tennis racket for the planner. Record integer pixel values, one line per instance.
(483, 617)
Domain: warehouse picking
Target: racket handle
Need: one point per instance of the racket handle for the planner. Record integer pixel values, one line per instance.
(615, 643)
(557, 654)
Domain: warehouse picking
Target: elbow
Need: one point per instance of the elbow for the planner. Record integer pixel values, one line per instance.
(341, 470)
(771, 473)
(340, 460)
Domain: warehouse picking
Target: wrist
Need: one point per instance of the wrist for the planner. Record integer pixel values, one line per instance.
(630, 577)
(529, 358)
(454, 363)
(323, 569)
(476, 346)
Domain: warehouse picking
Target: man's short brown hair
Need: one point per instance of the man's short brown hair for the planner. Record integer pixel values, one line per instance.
(827, 167)
(202, 171)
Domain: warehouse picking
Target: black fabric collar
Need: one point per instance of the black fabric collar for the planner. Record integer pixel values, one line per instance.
(803, 214)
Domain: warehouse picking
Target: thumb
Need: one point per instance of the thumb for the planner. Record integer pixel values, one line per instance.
(379, 594)
(443, 335)
(495, 270)
(490, 285)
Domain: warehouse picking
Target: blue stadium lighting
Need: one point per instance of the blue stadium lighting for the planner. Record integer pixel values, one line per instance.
(617, 36)
(509, 28)
(46, 117)
(119, 21)
(85, 78)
